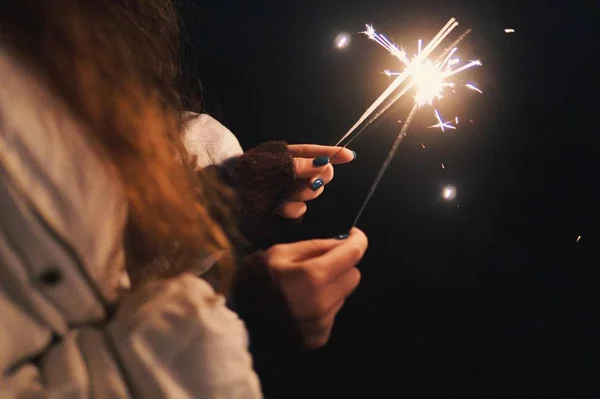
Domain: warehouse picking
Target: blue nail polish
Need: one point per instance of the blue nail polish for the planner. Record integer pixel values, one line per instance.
(341, 236)
(354, 154)
(317, 184)
(320, 161)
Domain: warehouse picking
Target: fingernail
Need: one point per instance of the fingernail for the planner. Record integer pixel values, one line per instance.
(320, 161)
(354, 154)
(317, 184)
(342, 236)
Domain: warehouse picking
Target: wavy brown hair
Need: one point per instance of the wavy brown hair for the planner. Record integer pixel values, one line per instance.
(114, 63)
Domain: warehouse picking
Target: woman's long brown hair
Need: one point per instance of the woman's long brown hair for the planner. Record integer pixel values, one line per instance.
(113, 62)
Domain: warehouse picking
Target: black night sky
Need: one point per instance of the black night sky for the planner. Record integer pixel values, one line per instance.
(487, 296)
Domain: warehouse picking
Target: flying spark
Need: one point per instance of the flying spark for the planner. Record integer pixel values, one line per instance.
(509, 30)
(578, 238)
(443, 166)
(423, 145)
(441, 124)
(471, 86)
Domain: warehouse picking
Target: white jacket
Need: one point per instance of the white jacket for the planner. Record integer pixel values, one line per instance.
(62, 218)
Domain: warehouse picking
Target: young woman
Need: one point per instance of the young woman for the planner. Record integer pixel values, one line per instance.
(96, 183)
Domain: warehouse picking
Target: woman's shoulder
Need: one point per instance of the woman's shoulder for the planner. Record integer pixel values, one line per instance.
(209, 140)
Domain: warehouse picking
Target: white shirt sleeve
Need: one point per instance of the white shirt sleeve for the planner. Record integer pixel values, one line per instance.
(176, 338)
(210, 141)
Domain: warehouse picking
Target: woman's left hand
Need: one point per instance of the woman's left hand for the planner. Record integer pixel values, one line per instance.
(313, 166)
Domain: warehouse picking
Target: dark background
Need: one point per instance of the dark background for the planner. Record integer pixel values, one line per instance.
(486, 296)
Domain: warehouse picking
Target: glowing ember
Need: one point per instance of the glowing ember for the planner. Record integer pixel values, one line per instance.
(342, 40)
(449, 193)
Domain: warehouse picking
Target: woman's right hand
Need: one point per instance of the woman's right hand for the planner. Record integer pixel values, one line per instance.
(316, 277)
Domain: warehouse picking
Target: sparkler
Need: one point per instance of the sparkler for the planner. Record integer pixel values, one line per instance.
(429, 77)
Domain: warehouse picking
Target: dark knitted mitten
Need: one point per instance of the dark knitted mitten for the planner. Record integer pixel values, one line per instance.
(263, 178)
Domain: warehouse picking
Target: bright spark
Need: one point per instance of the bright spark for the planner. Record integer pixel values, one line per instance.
(509, 30)
(578, 238)
(423, 145)
(471, 86)
(443, 166)
(456, 120)
(429, 77)
(441, 124)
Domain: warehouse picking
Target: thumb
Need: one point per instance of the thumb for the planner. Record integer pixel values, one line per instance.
(299, 251)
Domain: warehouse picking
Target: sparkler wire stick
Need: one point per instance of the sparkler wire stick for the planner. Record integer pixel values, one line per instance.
(387, 163)
(376, 116)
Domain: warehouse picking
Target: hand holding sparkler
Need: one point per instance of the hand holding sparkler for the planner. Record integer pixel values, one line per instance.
(315, 278)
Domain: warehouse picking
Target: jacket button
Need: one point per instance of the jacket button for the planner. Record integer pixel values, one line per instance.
(50, 277)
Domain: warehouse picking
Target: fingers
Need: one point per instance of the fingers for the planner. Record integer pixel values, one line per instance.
(337, 155)
(321, 323)
(339, 258)
(304, 168)
(318, 252)
(317, 340)
(292, 210)
(290, 254)
(314, 187)
(316, 329)
(316, 333)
